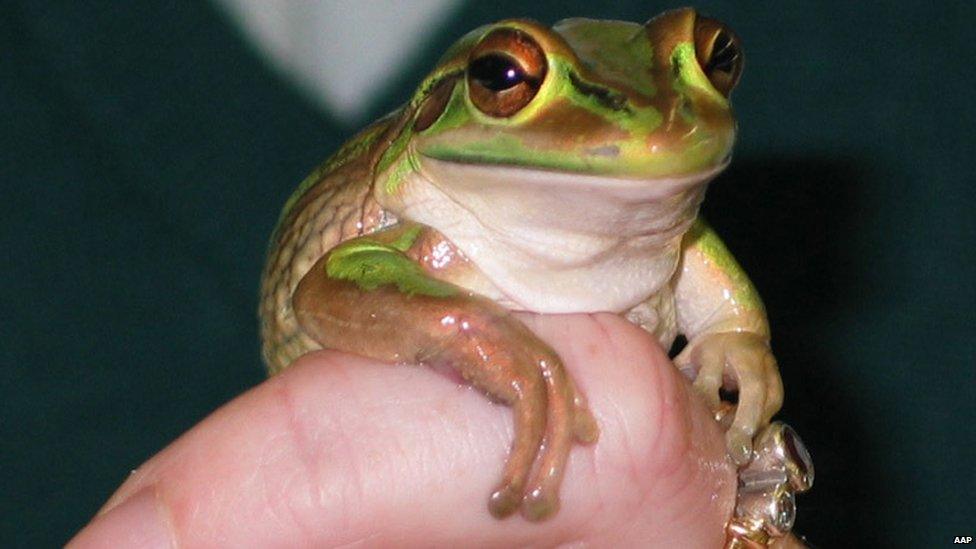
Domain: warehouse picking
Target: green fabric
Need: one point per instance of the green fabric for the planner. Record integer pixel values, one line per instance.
(145, 153)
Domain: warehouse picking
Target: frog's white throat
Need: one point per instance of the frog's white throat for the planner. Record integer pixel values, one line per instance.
(557, 242)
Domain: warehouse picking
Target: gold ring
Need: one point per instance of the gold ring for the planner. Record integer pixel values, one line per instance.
(765, 507)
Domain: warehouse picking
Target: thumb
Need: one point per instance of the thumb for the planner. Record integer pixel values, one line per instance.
(339, 450)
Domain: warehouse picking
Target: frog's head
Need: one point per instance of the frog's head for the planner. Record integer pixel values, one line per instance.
(588, 103)
(586, 96)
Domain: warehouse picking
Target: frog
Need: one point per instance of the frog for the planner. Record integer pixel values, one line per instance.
(541, 169)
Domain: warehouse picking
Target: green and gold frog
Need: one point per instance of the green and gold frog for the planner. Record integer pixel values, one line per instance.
(551, 170)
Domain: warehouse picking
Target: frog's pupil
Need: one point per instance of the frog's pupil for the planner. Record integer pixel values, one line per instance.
(496, 72)
(724, 54)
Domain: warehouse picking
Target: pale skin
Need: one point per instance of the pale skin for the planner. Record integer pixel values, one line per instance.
(314, 457)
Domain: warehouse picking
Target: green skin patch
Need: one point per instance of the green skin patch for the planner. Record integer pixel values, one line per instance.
(402, 169)
(371, 264)
(683, 60)
(705, 239)
(612, 47)
(447, 138)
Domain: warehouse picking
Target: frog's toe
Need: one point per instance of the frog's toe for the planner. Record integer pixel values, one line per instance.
(741, 424)
(711, 365)
(760, 396)
(561, 421)
(540, 504)
(743, 362)
(738, 442)
(530, 423)
(708, 386)
(774, 394)
(504, 501)
(585, 429)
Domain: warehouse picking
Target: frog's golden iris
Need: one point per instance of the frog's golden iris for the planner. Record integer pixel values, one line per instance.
(505, 72)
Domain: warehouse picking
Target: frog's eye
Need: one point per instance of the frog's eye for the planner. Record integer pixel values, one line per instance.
(505, 71)
(719, 54)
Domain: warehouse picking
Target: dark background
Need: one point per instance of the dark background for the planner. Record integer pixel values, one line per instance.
(145, 151)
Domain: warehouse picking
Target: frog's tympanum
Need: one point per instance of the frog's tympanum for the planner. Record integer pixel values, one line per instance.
(551, 170)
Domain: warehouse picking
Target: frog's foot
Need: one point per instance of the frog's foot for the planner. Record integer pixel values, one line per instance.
(739, 361)
(420, 319)
(548, 410)
(529, 417)
(563, 425)
(568, 419)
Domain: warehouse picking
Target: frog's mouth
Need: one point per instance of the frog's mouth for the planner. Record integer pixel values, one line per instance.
(500, 196)
(458, 172)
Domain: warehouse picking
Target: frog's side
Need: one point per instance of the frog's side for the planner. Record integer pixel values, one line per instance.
(549, 170)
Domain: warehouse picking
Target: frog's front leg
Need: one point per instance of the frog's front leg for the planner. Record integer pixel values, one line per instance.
(369, 297)
(725, 323)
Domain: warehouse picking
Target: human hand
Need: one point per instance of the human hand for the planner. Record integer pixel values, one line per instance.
(340, 450)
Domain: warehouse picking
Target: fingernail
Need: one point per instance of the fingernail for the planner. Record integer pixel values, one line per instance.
(137, 523)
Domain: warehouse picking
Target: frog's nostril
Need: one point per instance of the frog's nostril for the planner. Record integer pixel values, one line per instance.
(608, 151)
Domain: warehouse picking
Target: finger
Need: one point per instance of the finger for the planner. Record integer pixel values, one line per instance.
(338, 450)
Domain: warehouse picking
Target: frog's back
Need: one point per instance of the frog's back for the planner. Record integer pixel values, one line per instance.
(333, 204)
